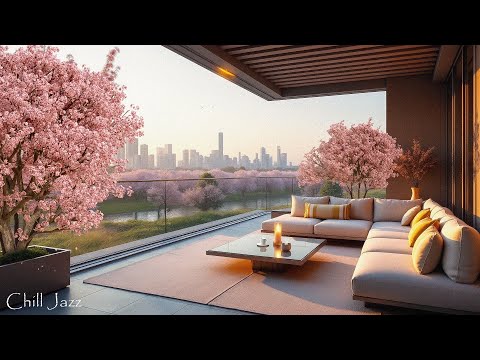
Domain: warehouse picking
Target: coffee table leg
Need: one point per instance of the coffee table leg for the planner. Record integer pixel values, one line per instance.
(267, 266)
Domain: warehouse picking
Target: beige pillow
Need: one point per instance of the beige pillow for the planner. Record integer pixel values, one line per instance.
(461, 250)
(298, 203)
(392, 209)
(410, 214)
(433, 206)
(362, 209)
(427, 251)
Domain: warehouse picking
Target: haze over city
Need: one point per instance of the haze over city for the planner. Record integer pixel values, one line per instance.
(186, 105)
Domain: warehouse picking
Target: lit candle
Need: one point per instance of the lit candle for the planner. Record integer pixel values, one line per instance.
(277, 239)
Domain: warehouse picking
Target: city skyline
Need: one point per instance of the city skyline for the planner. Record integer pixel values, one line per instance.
(140, 157)
(183, 104)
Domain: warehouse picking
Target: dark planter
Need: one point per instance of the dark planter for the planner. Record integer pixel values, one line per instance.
(29, 278)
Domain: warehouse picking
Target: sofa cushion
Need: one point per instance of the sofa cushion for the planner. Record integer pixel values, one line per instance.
(389, 245)
(389, 276)
(419, 228)
(291, 224)
(427, 251)
(343, 229)
(327, 211)
(392, 209)
(362, 209)
(461, 250)
(433, 206)
(410, 215)
(298, 203)
(389, 229)
(422, 214)
(443, 216)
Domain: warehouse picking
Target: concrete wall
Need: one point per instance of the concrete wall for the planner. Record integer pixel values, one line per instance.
(476, 141)
(415, 108)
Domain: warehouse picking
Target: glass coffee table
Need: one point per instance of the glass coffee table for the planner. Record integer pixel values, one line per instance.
(270, 258)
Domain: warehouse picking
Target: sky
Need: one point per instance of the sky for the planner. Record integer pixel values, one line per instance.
(186, 105)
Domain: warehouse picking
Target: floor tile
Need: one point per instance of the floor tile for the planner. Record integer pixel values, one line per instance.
(153, 305)
(198, 309)
(110, 300)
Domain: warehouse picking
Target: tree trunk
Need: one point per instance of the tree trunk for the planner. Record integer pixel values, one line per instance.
(8, 239)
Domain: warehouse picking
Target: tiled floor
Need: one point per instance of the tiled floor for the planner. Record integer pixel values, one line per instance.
(98, 300)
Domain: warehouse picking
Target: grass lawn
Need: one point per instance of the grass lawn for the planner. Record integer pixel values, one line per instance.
(125, 205)
(116, 233)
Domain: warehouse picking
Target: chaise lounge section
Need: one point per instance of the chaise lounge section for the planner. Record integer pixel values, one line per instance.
(384, 273)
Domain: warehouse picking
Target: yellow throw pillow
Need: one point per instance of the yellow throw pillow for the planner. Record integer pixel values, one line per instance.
(422, 214)
(410, 214)
(419, 228)
(320, 211)
(427, 251)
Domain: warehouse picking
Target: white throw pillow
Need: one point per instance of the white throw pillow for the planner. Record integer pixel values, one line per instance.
(298, 203)
(410, 214)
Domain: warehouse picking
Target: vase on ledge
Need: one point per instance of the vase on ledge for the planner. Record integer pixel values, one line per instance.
(415, 193)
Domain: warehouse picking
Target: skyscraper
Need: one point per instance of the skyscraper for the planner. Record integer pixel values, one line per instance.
(143, 156)
(263, 158)
(220, 145)
(165, 158)
(132, 152)
(186, 159)
(279, 158)
(151, 161)
(283, 160)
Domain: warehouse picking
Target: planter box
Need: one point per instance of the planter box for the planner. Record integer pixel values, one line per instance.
(42, 275)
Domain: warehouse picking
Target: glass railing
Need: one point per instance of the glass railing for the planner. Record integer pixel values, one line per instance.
(161, 206)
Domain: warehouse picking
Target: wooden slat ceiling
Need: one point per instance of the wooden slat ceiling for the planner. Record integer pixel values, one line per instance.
(288, 66)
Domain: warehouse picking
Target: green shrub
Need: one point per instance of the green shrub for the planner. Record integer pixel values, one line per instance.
(22, 255)
(331, 189)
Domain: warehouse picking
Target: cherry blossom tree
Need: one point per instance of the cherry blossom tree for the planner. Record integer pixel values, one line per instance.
(357, 157)
(167, 191)
(60, 128)
(204, 198)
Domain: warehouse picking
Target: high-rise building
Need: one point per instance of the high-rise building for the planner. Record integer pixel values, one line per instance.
(220, 145)
(151, 161)
(283, 160)
(143, 156)
(263, 158)
(131, 153)
(185, 159)
(165, 158)
(279, 160)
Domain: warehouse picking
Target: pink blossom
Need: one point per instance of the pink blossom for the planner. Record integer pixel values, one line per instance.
(356, 157)
(60, 129)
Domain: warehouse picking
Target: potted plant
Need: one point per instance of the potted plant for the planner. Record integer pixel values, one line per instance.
(414, 164)
(61, 126)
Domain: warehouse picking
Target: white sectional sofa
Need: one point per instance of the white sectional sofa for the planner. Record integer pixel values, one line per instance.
(384, 272)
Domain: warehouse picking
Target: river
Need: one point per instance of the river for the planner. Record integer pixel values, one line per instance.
(253, 204)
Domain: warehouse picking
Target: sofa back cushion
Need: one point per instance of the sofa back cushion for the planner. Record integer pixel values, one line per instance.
(433, 206)
(461, 250)
(298, 203)
(322, 211)
(362, 209)
(392, 209)
(443, 216)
